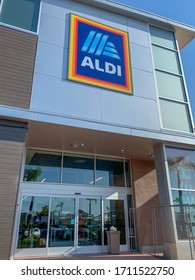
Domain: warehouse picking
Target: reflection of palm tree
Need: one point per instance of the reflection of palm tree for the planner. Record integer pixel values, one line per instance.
(32, 174)
(60, 205)
(90, 200)
(44, 210)
(175, 163)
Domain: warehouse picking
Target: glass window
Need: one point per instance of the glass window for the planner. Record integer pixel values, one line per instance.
(21, 13)
(42, 166)
(184, 217)
(62, 222)
(114, 216)
(33, 222)
(78, 170)
(183, 197)
(90, 222)
(131, 214)
(166, 60)
(162, 37)
(109, 172)
(175, 116)
(170, 86)
(127, 173)
(181, 165)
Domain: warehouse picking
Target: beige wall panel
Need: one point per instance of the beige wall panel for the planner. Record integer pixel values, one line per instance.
(17, 56)
(12, 138)
(146, 199)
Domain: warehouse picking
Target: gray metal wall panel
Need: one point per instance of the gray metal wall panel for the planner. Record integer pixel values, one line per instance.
(17, 55)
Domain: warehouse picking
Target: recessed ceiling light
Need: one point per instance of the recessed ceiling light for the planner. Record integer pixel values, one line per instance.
(151, 155)
(77, 145)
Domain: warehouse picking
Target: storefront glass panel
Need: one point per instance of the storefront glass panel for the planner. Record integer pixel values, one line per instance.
(114, 215)
(51, 167)
(66, 224)
(181, 163)
(78, 170)
(183, 197)
(33, 222)
(109, 173)
(62, 222)
(42, 166)
(90, 225)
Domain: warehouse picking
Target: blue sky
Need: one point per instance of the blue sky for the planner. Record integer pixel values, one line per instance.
(184, 12)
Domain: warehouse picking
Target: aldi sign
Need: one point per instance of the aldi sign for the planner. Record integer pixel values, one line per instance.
(99, 55)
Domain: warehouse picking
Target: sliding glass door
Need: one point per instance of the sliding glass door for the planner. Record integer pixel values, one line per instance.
(90, 222)
(62, 222)
(64, 225)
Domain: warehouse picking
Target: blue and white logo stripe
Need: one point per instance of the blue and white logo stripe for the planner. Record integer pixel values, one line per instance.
(97, 43)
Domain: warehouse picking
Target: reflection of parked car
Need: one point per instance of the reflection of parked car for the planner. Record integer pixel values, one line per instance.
(43, 233)
(62, 233)
(83, 233)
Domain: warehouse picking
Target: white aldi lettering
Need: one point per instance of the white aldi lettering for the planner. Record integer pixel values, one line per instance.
(106, 67)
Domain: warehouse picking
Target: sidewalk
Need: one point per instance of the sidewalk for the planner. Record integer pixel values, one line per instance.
(122, 256)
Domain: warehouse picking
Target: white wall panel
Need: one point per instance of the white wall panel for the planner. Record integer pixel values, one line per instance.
(114, 20)
(130, 110)
(50, 60)
(143, 84)
(141, 57)
(54, 31)
(57, 8)
(85, 10)
(66, 98)
(138, 33)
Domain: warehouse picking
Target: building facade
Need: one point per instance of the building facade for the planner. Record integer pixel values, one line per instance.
(96, 130)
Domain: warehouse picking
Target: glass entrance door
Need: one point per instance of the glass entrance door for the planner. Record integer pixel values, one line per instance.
(64, 225)
(62, 222)
(75, 222)
(89, 222)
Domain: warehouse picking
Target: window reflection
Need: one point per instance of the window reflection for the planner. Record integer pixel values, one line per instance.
(62, 221)
(162, 37)
(184, 213)
(40, 219)
(90, 228)
(109, 172)
(78, 170)
(183, 197)
(42, 166)
(114, 216)
(12, 12)
(181, 165)
(33, 222)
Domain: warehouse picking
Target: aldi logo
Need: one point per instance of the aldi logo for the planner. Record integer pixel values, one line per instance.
(99, 55)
